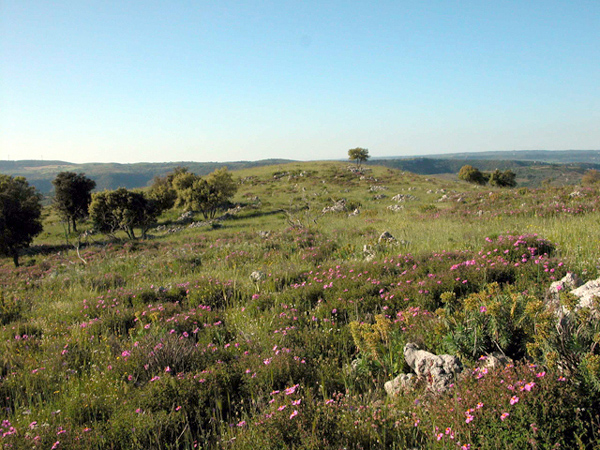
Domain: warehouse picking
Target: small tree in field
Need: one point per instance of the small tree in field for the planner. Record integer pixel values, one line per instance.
(20, 212)
(503, 179)
(124, 210)
(472, 174)
(358, 154)
(72, 196)
(205, 195)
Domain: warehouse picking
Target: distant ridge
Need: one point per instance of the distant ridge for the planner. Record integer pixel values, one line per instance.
(113, 175)
(548, 156)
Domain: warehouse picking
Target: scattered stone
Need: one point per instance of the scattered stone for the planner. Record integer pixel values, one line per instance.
(495, 361)
(379, 197)
(395, 208)
(356, 212)
(576, 194)
(386, 236)
(377, 188)
(403, 197)
(264, 234)
(186, 217)
(339, 206)
(567, 283)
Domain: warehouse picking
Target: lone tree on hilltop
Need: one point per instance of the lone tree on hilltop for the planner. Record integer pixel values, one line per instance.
(20, 212)
(72, 196)
(472, 174)
(124, 210)
(358, 154)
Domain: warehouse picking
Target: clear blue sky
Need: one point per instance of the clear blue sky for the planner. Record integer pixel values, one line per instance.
(129, 81)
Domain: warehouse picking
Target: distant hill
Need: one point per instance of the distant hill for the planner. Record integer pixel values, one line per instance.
(548, 156)
(529, 173)
(532, 167)
(113, 175)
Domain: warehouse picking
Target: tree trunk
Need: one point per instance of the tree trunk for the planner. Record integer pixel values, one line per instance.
(15, 255)
(74, 225)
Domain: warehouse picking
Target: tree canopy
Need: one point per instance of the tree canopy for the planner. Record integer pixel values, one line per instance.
(358, 154)
(72, 196)
(472, 174)
(124, 210)
(205, 195)
(20, 215)
(503, 179)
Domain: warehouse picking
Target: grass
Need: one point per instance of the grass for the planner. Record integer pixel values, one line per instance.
(170, 343)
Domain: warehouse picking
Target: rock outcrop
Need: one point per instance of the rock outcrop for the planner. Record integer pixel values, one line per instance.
(438, 370)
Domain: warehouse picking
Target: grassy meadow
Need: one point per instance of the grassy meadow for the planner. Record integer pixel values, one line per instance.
(278, 326)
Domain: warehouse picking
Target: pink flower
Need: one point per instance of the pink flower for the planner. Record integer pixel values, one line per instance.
(504, 416)
(297, 402)
(241, 423)
(479, 405)
(541, 374)
(529, 386)
(56, 444)
(293, 414)
(281, 408)
(514, 399)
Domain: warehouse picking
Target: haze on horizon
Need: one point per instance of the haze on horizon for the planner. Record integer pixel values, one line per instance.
(107, 81)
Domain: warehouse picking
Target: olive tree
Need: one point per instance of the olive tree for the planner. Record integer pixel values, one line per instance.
(20, 215)
(72, 196)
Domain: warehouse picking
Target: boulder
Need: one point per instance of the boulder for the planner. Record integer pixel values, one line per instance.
(386, 236)
(402, 383)
(438, 370)
(587, 293)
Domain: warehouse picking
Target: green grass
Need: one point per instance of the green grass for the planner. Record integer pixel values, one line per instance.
(169, 343)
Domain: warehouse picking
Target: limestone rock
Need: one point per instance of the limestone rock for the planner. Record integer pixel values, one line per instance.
(587, 293)
(402, 383)
(438, 370)
(386, 236)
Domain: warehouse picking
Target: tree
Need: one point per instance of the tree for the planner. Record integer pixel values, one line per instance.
(205, 195)
(20, 213)
(472, 174)
(72, 196)
(124, 210)
(358, 154)
(503, 179)
(591, 177)
(163, 193)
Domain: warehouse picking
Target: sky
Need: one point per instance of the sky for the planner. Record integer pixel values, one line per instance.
(156, 81)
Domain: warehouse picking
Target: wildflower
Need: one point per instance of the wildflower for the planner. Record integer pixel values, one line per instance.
(241, 423)
(56, 444)
(479, 405)
(514, 399)
(469, 418)
(294, 414)
(439, 436)
(281, 408)
(296, 402)
(540, 374)
(562, 379)
(529, 386)
(32, 425)
(482, 309)
(504, 416)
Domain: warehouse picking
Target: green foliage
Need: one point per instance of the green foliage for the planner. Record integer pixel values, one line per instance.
(162, 193)
(20, 215)
(124, 210)
(471, 174)
(205, 195)
(72, 196)
(358, 154)
(503, 179)
(590, 178)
